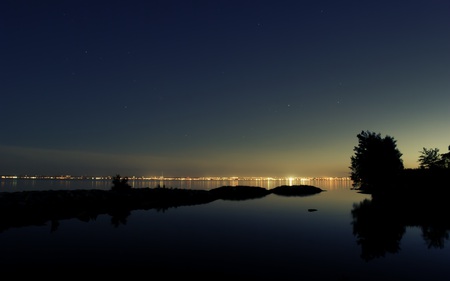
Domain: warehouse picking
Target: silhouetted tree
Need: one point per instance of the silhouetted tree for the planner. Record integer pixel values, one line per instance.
(445, 159)
(376, 161)
(120, 184)
(429, 158)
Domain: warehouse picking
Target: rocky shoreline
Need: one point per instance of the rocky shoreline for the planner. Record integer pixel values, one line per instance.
(23, 208)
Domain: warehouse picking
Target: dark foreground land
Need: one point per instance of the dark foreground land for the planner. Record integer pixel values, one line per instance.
(26, 208)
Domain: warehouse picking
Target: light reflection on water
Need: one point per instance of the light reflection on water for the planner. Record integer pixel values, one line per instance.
(11, 185)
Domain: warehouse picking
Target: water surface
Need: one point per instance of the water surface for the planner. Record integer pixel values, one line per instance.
(294, 238)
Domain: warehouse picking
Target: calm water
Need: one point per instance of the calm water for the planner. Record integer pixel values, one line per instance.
(11, 185)
(271, 237)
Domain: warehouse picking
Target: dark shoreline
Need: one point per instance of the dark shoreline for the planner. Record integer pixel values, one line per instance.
(25, 208)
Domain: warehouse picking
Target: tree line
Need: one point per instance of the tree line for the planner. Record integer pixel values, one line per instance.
(377, 164)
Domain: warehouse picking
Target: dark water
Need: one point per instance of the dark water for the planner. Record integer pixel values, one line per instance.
(271, 237)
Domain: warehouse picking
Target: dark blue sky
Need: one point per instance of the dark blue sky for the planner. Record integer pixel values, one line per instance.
(218, 88)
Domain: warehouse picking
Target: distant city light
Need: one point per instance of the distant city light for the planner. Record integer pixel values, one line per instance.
(210, 178)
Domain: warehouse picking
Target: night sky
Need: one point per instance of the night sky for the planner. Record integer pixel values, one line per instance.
(218, 88)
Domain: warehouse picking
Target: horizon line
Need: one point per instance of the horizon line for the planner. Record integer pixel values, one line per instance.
(67, 177)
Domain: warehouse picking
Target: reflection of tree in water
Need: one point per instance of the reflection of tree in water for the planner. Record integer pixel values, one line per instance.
(378, 232)
(379, 224)
(434, 236)
(119, 217)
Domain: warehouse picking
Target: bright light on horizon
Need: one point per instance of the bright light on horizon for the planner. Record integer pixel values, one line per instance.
(289, 179)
